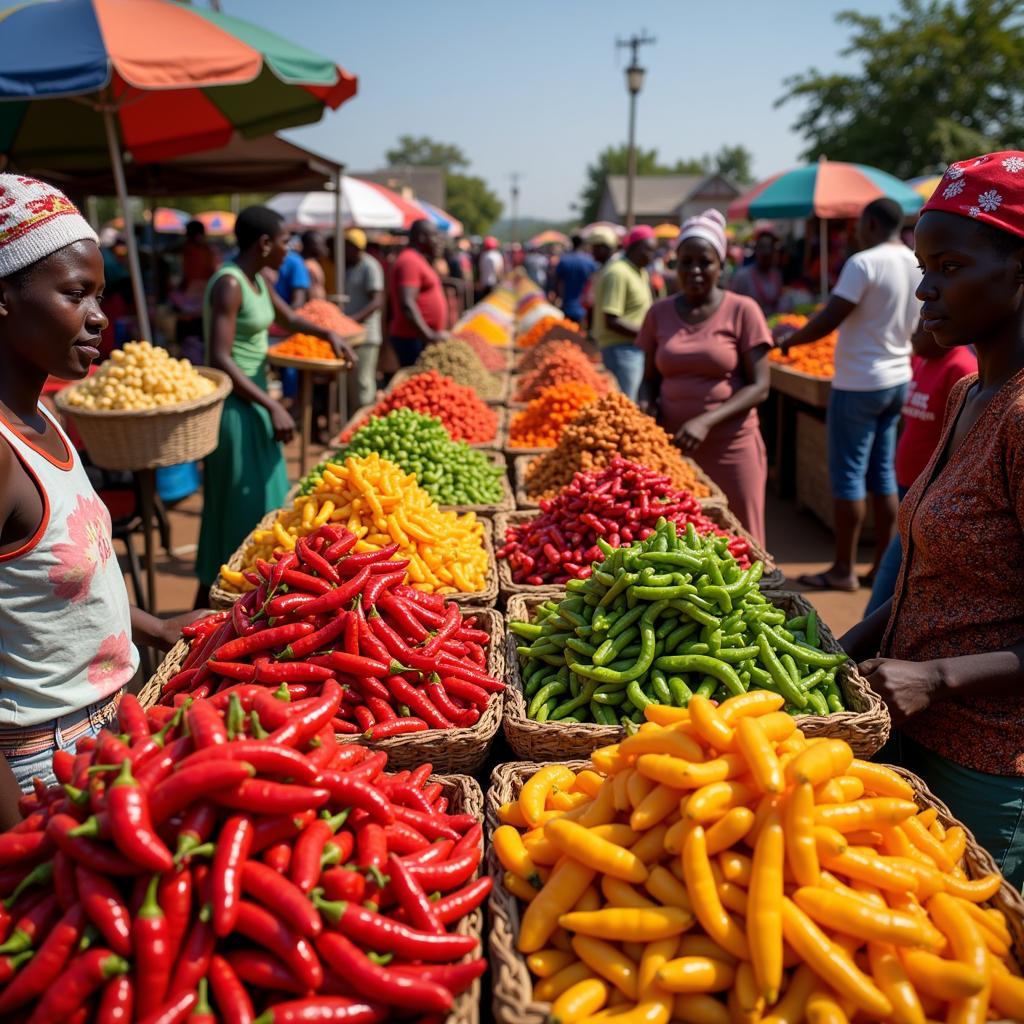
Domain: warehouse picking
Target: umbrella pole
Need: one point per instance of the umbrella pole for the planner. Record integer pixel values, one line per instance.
(138, 291)
(339, 240)
(823, 256)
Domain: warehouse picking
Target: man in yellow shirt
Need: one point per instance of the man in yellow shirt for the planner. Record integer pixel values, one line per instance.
(622, 297)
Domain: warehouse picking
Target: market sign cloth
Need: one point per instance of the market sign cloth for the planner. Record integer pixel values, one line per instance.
(364, 204)
(828, 190)
(182, 79)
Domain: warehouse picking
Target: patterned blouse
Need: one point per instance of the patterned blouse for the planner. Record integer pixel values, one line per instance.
(961, 588)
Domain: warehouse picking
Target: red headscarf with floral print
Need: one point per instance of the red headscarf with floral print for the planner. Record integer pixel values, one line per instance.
(988, 188)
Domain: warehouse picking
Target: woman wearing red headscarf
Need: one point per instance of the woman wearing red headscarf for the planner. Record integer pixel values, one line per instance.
(946, 653)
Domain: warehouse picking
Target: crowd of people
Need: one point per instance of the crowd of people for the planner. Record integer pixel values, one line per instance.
(932, 337)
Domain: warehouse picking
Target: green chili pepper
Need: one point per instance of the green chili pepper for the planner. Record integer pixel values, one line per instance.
(781, 678)
(681, 693)
(543, 695)
(804, 655)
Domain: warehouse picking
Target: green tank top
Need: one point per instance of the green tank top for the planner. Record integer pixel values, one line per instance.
(255, 315)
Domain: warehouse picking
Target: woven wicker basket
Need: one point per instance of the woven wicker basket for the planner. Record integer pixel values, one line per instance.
(153, 687)
(521, 463)
(410, 371)
(508, 499)
(222, 597)
(151, 438)
(865, 726)
(772, 578)
(497, 442)
(456, 750)
(512, 985)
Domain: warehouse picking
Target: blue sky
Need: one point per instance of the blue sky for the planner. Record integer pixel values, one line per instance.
(538, 87)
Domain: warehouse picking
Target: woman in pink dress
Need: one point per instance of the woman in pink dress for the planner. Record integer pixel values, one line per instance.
(706, 372)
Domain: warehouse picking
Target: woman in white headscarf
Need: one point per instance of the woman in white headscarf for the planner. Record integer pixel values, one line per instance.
(706, 372)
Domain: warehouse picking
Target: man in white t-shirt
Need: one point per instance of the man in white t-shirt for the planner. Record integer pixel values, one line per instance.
(875, 307)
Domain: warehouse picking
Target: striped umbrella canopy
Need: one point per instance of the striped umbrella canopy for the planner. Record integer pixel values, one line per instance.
(364, 204)
(217, 222)
(549, 238)
(925, 186)
(446, 223)
(828, 189)
(618, 229)
(148, 79)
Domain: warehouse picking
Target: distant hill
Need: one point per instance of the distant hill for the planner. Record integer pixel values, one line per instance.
(530, 226)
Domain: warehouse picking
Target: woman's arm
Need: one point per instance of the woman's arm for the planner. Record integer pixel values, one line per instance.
(286, 317)
(650, 389)
(864, 640)
(163, 634)
(820, 325)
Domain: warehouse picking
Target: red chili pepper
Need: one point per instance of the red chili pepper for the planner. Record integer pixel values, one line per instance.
(20, 846)
(321, 1008)
(348, 791)
(64, 880)
(461, 718)
(261, 970)
(418, 702)
(379, 583)
(158, 768)
(322, 639)
(368, 641)
(266, 930)
(454, 977)
(443, 876)
(403, 839)
(291, 672)
(398, 611)
(457, 905)
(315, 561)
(284, 827)
(278, 857)
(202, 1012)
(396, 727)
(193, 783)
(381, 710)
(369, 769)
(354, 563)
(276, 636)
(197, 825)
(175, 897)
(435, 852)
(466, 691)
(309, 848)
(194, 958)
(117, 1002)
(270, 797)
(471, 839)
(240, 670)
(32, 926)
(266, 758)
(431, 825)
(411, 898)
(46, 964)
(63, 765)
(322, 750)
(287, 604)
(339, 596)
(233, 846)
(86, 973)
(376, 982)
(153, 953)
(105, 908)
(131, 826)
(174, 1011)
(343, 884)
(282, 896)
(297, 580)
(233, 1002)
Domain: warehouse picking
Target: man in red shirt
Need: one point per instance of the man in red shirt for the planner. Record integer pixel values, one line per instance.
(418, 306)
(936, 370)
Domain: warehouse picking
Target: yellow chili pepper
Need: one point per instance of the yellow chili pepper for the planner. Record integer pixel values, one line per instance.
(653, 958)
(755, 746)
(867, 813)
(547, 962)
(508, 845)
(621, 894)
(941, 978)
(680, 774)
(711, 802)
(549, 989)
(696, 974)
(534, 794)
(1007, 995)
(608, 962)
(662, 741)
(568, 881)
(820, 762)
(699, 1008)
(709, 723)
(798, 826)
(891, 977)
(655, 807)
(968, 948)
(764, 916)
(707, 906)
(822, 1008)
(579, 1001)
(628, 924)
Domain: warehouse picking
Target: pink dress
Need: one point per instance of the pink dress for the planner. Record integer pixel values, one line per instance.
(701, 366)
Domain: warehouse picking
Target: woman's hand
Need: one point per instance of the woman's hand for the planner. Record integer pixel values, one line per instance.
(342, 349)
(170, 629)
(282, 422)
(692, 434)
(907, 687)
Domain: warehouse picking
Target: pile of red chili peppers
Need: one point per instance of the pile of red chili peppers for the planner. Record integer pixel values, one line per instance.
(620, 503)
(407, 661)
(232, 852)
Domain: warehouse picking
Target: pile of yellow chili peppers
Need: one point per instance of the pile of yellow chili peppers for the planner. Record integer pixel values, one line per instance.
(716, 866)
(381, 505)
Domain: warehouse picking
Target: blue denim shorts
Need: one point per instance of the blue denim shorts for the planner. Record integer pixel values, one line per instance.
(626, 363)
(862, 429)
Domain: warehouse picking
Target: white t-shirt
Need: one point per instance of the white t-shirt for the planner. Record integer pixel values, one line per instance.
(873, 351)
(492, 266)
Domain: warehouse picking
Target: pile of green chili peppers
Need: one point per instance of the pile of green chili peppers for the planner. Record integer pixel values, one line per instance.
(660, 621)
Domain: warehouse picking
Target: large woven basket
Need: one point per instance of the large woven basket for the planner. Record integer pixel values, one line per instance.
(153, 687)
(512, 985)
(771, 579)
(508, 499)
(223, 597)
(497, 442)
(456, 750)
(411, 371)
(520, 465)
(150, 438)
(865, 726)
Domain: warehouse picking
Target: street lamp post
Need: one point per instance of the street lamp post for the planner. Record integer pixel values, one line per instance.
(515, 205)
(634, 83)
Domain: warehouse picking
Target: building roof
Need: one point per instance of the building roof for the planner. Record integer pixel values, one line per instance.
(656, 194)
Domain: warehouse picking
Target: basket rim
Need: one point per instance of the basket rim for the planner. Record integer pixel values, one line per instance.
(219, 377)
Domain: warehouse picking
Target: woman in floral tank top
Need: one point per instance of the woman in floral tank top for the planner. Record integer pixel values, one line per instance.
(950, 643)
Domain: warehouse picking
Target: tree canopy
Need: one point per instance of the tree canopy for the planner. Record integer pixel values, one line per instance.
(732, 161)
(468, 197)
(938, 81)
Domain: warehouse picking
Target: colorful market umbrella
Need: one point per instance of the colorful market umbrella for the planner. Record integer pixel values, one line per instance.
(925, 186)
(148, 79)
(827, 190)
(364, 204)
(549, 238)
(619, 230)
(666, 232)
(446, 223)
(217, 222)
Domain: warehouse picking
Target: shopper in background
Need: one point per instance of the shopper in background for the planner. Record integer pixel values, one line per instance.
(419, 310)
(935, 371)
(536, 264)
(364, 286)
(603, 244)
(199, 259)
(876, 311)
(946, 654)
(314, 253)
(706, 372)
(291, 280)
(622, 296)
(490, 267)
(570, 278)
(245, 476)
(761, 279)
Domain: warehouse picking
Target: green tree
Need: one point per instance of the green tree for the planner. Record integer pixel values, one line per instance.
(472, 202)
(733, 162)
(938, 81)
(422, 151)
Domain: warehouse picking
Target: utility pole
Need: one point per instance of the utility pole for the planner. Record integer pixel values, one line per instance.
(515, 176)
(634, 83)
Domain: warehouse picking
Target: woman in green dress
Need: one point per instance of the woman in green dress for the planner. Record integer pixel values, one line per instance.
(245, 477)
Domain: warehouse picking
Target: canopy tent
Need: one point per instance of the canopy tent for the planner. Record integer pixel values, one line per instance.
(446, 223)
(363, 204)
(828, 189)
(148, 80)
